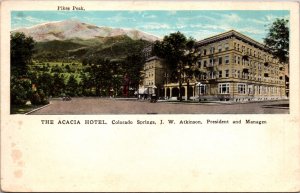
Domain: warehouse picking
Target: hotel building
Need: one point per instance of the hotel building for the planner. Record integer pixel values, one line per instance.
(231, 67)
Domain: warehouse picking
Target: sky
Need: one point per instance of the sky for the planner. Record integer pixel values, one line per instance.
(198, 24)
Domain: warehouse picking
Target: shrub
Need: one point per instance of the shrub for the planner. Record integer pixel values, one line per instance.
(20, 91)
(44, 99)
(39, 98)
(35, 99)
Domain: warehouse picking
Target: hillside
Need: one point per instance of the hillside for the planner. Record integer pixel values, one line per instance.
(117, 47)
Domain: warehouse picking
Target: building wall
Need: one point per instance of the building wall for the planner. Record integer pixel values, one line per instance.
(153, 71)
(234, 67)
(245, 67)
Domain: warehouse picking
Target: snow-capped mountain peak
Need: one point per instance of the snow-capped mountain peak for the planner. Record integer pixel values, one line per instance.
(70, 29)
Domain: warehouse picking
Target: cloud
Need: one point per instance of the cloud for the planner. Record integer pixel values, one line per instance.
(198, 18)
(34, 20)
(149, 16)
(26, 21)
(257, 21)
(180, 26)
(155, 26)
(231, 17)
(252, 30)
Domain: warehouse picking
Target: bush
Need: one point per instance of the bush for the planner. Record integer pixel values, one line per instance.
(44, 100)
(39, 98)
(20, 90)
(35, 99)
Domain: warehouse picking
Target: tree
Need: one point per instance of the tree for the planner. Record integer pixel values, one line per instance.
(45, 83)
(277, 39)
(72, 86)
(132, 67)
(179, 54)
(20, 90)
(58, 84)
(21, 51)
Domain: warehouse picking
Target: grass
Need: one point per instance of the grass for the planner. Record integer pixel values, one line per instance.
(22, 109)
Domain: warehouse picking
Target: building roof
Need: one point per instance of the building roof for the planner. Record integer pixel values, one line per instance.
(229, 34)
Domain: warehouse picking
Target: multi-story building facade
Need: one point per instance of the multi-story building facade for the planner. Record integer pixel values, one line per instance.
(153, 75)
(232, 67)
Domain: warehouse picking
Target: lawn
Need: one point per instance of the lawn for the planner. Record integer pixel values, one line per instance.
(22, 109)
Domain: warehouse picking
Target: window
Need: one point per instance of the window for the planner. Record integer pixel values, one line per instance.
(211, 61)
(220, 48)
(242, 88)
(204, 52)
(220, 74)
(233, 72)
(199, 63)
(212, 50)
(226, 73)
(220, 60)
(243, 75)
(250, 89)
(203, 89)
(237, 60)
(204, 63)
(226, 46)
(226, 59)
(211, 75)
(224, 88)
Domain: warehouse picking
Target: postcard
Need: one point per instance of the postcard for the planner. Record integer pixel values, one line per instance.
(149, 96)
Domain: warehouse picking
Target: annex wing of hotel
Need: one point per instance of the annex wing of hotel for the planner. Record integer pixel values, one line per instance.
(234, 68)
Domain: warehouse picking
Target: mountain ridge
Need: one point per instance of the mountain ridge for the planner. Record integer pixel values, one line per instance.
(72, 29)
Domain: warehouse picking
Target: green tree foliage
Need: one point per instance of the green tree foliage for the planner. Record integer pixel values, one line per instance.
(45, 83)
(278, 39)
(132, 69)
(21, 53)
(20, 90)
(38, 98)
(179, 53)
(72, 88)
(58, 84)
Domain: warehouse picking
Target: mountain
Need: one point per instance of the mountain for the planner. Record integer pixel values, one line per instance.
(73, 29)
(116, 47)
